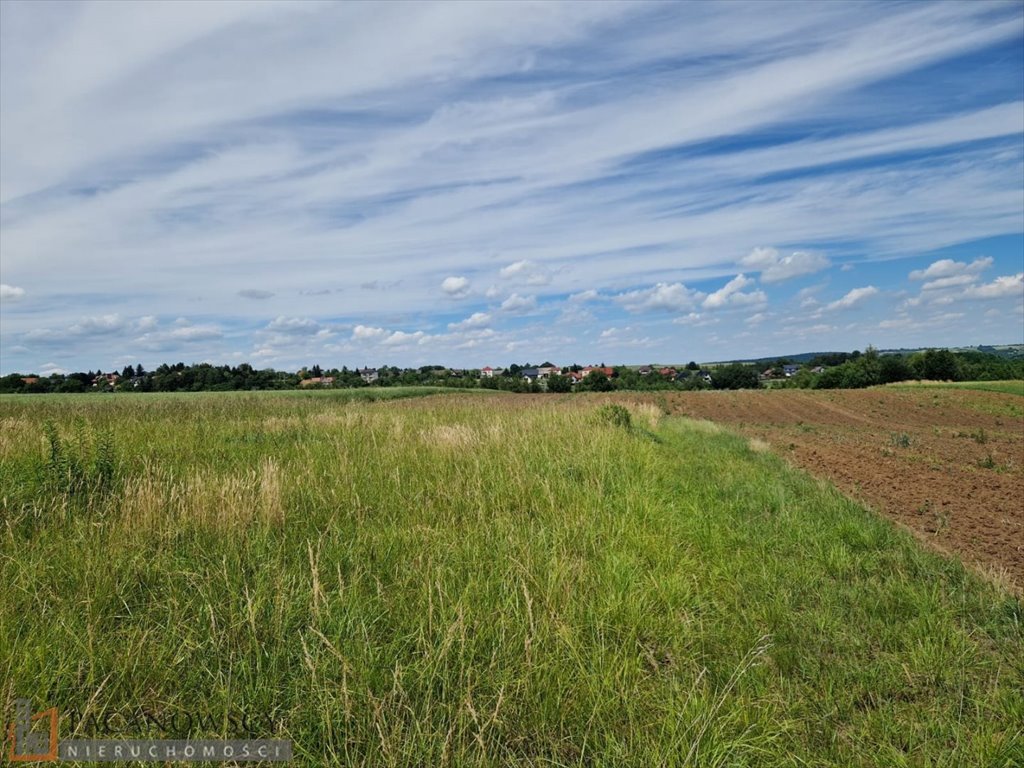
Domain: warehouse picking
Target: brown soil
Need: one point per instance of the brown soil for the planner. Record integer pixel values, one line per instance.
(948, 464)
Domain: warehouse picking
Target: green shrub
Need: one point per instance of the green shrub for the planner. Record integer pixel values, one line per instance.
(615, 415)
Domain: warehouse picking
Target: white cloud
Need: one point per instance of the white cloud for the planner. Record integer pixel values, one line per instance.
(401, 339)
(853, 298)
(624, 337)
(476, 320)
(299, 326)
(948, 282)
(99, 325)
(455, 287)
(386, 338)
(1000, 288)
(946, 268)
(688, 319)
(775, 268)
(195, 333)
(182, 333)
(516, 304)
(731, 294)
(48, 369)
(11, 292)
(670, 297)
(368, 333)
(582, 296)
(964, 286)
(525, 271)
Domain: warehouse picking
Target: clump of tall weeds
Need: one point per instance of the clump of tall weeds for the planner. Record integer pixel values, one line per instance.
(616, 415)
(81, 464)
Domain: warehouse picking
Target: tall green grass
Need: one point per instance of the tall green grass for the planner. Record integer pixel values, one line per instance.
(486, 581)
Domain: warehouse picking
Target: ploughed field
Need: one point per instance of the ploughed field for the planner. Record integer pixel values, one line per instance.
(473, 580)
(946, 463)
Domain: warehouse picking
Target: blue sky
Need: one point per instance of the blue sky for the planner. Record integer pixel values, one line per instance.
(473, 184)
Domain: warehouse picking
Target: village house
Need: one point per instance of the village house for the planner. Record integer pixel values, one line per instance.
(317, 381)
(489, 373)
(540, 373)
(790, 370)
(26, 380)
(105, 379)
(547, 370)
(668, 373)
(644, 370)
(369, 375)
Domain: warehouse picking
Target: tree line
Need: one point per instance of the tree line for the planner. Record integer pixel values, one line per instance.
(838, 370)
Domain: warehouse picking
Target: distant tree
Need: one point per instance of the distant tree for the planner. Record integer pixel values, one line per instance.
(71, 385)
(559, 383)
(735, 376)
(692, 366)
(12, 383)
(939, 365)
(630, 378)
(595, 381)
(894, 368)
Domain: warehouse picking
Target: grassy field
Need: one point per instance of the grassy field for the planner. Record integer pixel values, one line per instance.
(504, 580)
(1012, 386)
